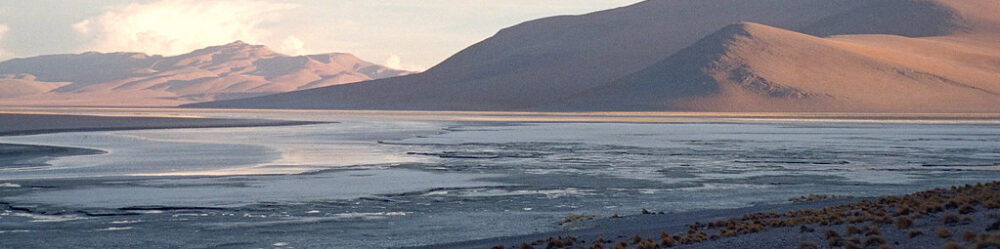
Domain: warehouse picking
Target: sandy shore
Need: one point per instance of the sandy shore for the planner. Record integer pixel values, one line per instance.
(960, 217)
(12, 124)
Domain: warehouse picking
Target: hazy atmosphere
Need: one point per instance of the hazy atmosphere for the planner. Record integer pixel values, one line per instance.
(407, 34)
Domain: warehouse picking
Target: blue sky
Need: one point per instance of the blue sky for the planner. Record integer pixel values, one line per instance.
(408, 34)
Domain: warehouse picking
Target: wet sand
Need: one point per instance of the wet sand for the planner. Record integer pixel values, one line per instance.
(22, 155)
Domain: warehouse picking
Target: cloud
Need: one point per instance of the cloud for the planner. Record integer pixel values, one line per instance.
(293, 46)
(83, 27)
(3, 31)
(393, 61)
(173, 27)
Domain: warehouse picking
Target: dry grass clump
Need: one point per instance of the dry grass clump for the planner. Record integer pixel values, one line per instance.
(815, 197)
(951, 219)
(666, 240)
(807, 245)
(575, 218)
(952, 245)
(647, 244)
(875, 240)
(987, 240)
(966, 209)
(833, 238)
(968, 236)
(621, 245)
(903, 223)
(853, 230)
(943, 233)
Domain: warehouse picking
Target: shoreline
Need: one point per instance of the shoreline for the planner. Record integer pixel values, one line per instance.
(12, 124)
(16, 156)
(962, 216)
(542, 117)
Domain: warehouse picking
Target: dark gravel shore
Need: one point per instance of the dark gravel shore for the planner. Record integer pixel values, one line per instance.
(960, 217)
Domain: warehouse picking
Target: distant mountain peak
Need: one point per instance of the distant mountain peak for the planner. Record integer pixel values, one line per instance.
(237, 47)
(232, 70)
(237, 43)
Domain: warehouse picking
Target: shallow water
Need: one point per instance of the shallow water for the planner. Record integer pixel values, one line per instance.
(383, 181)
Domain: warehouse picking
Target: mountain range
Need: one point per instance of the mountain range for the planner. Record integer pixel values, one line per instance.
(235, 70)
(656, 55)
(708, 55)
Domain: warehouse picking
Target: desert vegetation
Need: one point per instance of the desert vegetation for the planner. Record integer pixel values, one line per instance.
(852, 225)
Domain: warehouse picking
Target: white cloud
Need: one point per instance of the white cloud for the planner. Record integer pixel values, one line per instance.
(3, 31)
(292, 46)
(172, 27)
(393, 61)
(83, 27)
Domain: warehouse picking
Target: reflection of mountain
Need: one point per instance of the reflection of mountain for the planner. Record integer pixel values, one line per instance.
(806, 55)
(133, 79)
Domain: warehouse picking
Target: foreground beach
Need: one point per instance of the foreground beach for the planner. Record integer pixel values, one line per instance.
(958, 217)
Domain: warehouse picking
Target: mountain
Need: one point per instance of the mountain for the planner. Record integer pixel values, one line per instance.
(215, 73)
(755, 67)
(802, 55)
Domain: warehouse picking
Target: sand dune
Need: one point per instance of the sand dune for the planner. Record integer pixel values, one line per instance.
(235, 70)
(25, 84)
(883, 56)
(754, 67)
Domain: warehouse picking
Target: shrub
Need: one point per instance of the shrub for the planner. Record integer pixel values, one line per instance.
(873, 230)
(666, 240)
(647, 244)
(853, 230)
(951, 219)
(943, 233)
(807, 245)
(875, 240)
(952, 245)
(832, 234)
(621, 245)
(966, 209)
(904, 223)
(914, 233)
(555, 243)
(968, 236)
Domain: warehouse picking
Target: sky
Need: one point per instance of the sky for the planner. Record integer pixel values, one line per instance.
(405, 34)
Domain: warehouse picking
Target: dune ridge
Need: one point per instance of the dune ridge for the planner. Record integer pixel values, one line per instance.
(755, 67)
